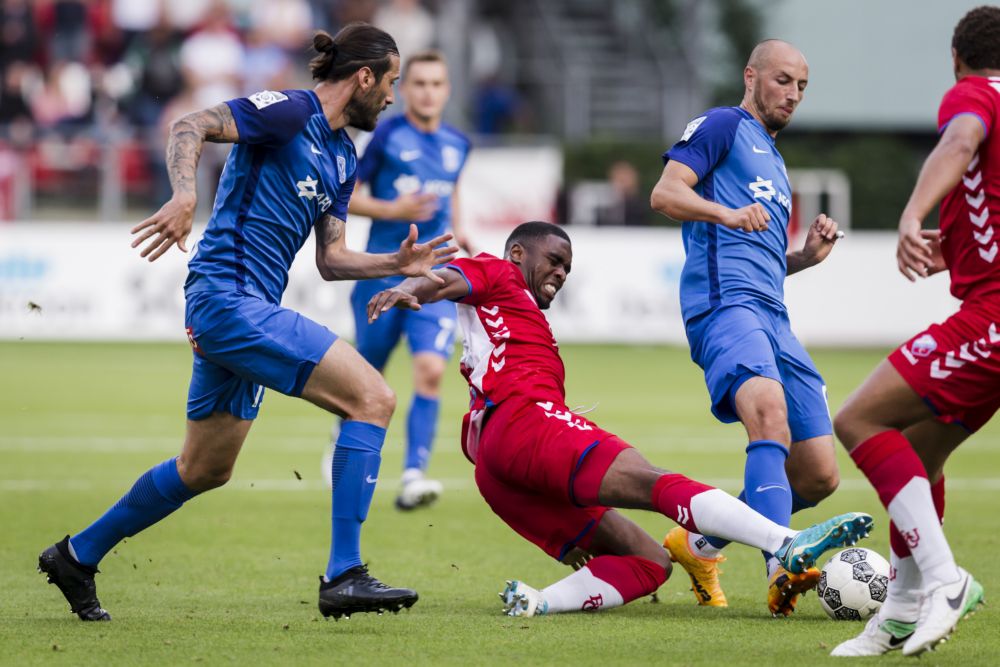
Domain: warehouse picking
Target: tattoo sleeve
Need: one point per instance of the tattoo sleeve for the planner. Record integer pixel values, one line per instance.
(187, 136)
(329, 230)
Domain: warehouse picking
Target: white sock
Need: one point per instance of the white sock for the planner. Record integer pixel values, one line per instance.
(912, 510)
(411, 475)
(772, 564)
(581, 591)
(701, 547)
(717, 513)
(902, 603)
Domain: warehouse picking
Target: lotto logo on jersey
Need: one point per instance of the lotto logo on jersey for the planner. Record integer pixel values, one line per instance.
(266, 98)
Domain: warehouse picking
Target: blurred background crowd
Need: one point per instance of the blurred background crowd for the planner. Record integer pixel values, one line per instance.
(88, 88)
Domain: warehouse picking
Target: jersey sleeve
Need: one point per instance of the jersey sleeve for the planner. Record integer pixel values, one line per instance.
(968, 99)
(371, 160)
(271, 118)
(706, 141)
(479, 272)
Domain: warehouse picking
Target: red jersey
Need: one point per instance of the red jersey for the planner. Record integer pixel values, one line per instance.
(970, 213)
(509, 350)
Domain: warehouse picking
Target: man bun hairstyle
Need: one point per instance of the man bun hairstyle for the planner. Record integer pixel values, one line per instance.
(531, 231)
(977, 38)
(356, 45)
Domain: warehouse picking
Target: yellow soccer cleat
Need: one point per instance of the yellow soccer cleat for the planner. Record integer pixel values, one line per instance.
(704, 572)
(784, 588)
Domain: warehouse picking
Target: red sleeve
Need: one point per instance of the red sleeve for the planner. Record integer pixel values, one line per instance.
(480, 273)
(972, 99)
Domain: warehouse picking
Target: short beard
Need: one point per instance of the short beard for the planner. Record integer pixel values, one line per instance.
(363, 113)
(772, 123)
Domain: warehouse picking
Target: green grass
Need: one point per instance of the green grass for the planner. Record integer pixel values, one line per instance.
(232, 577)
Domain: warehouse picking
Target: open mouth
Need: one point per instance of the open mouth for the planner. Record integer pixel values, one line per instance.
(549, 289)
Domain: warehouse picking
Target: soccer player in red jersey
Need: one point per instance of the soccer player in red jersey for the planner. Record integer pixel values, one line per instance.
(553, 475)
(943, 384)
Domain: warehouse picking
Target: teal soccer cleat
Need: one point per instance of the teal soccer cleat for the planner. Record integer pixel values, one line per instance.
(801, 552)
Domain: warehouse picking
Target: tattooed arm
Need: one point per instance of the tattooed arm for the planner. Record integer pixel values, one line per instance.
(336, 261)
(172, 223)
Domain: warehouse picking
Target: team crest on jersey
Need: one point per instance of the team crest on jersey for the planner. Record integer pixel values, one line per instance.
(266, 98)
(923, 346)
(451, 158)
(341, 168)
(691, 127)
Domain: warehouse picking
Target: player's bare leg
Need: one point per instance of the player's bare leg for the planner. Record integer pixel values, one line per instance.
(347, 385)
(206, 461)
(622, 563)
(415, 489)
(875, 425)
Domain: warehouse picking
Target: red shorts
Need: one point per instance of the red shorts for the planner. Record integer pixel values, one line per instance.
(539, 467)
(955, 366)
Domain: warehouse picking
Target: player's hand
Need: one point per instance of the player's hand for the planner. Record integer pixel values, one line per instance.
(752, 218)
(391, 298)
(933, 239)
(415, 207)
(914, 254)
(419, 259)
(170, 225)
(820, 238)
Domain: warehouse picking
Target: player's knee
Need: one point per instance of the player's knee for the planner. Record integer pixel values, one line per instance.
(844, 425)
(202, 478)
(376, 405)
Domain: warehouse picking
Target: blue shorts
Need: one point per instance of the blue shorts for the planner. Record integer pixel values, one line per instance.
(243, 344)
(430, 329)
(735, 343)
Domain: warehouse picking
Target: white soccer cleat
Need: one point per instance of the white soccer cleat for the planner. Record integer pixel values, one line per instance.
(941, 608)
(877, 638)
(418, 492)
(520, 599)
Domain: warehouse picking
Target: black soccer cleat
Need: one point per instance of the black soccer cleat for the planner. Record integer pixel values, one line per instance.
(357, 591)
(74, 579)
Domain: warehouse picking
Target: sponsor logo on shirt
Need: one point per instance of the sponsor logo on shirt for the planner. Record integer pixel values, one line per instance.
(691, 127)
(408, 184)
(307, 190)
(266, 98)
(923, 346)
(410, 155)
(764, 189)
(451, 158)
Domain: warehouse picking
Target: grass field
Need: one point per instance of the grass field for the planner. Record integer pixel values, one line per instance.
(231, 578)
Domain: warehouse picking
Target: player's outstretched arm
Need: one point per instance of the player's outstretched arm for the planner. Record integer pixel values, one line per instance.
(336, 261)
(674, 197)
(412, 292)
(188, 134)
(416, 207)
(941, 172)
(820, 239)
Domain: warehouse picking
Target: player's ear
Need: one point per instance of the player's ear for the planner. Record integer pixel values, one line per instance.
(517, 253)
(366, 78)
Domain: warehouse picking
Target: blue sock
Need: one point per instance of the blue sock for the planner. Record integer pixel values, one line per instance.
(156, 494)
(421, 423)
(356, 461)
(765, 482)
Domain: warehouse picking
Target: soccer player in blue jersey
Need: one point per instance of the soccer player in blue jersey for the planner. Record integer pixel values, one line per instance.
(726, 180)
(412, 167)
(292, 169)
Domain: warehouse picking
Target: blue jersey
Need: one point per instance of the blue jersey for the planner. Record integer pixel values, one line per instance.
(400, 160)
(737, 165)
(287, 171)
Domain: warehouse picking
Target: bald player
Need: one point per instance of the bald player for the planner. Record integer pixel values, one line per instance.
(727, 182)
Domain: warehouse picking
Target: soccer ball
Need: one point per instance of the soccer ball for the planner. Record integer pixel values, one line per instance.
(853, 584)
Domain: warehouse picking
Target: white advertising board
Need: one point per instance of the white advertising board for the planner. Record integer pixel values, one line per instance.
(89, 284)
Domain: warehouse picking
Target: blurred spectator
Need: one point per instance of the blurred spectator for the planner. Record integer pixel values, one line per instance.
(212, 58)
(627, 205)
(15, 114)
(496, 106)
(18, 33)
(63, 99)
(186, 15)
(68, 22)
(409, 23)
(153, 58)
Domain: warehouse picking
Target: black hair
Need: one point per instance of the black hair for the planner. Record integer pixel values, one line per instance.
(531, 231)
(977, 38)
(356, 45)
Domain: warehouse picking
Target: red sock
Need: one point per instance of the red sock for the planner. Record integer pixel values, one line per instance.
(937, 493)
(632, 576)
(889, 463)
(672, 496)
